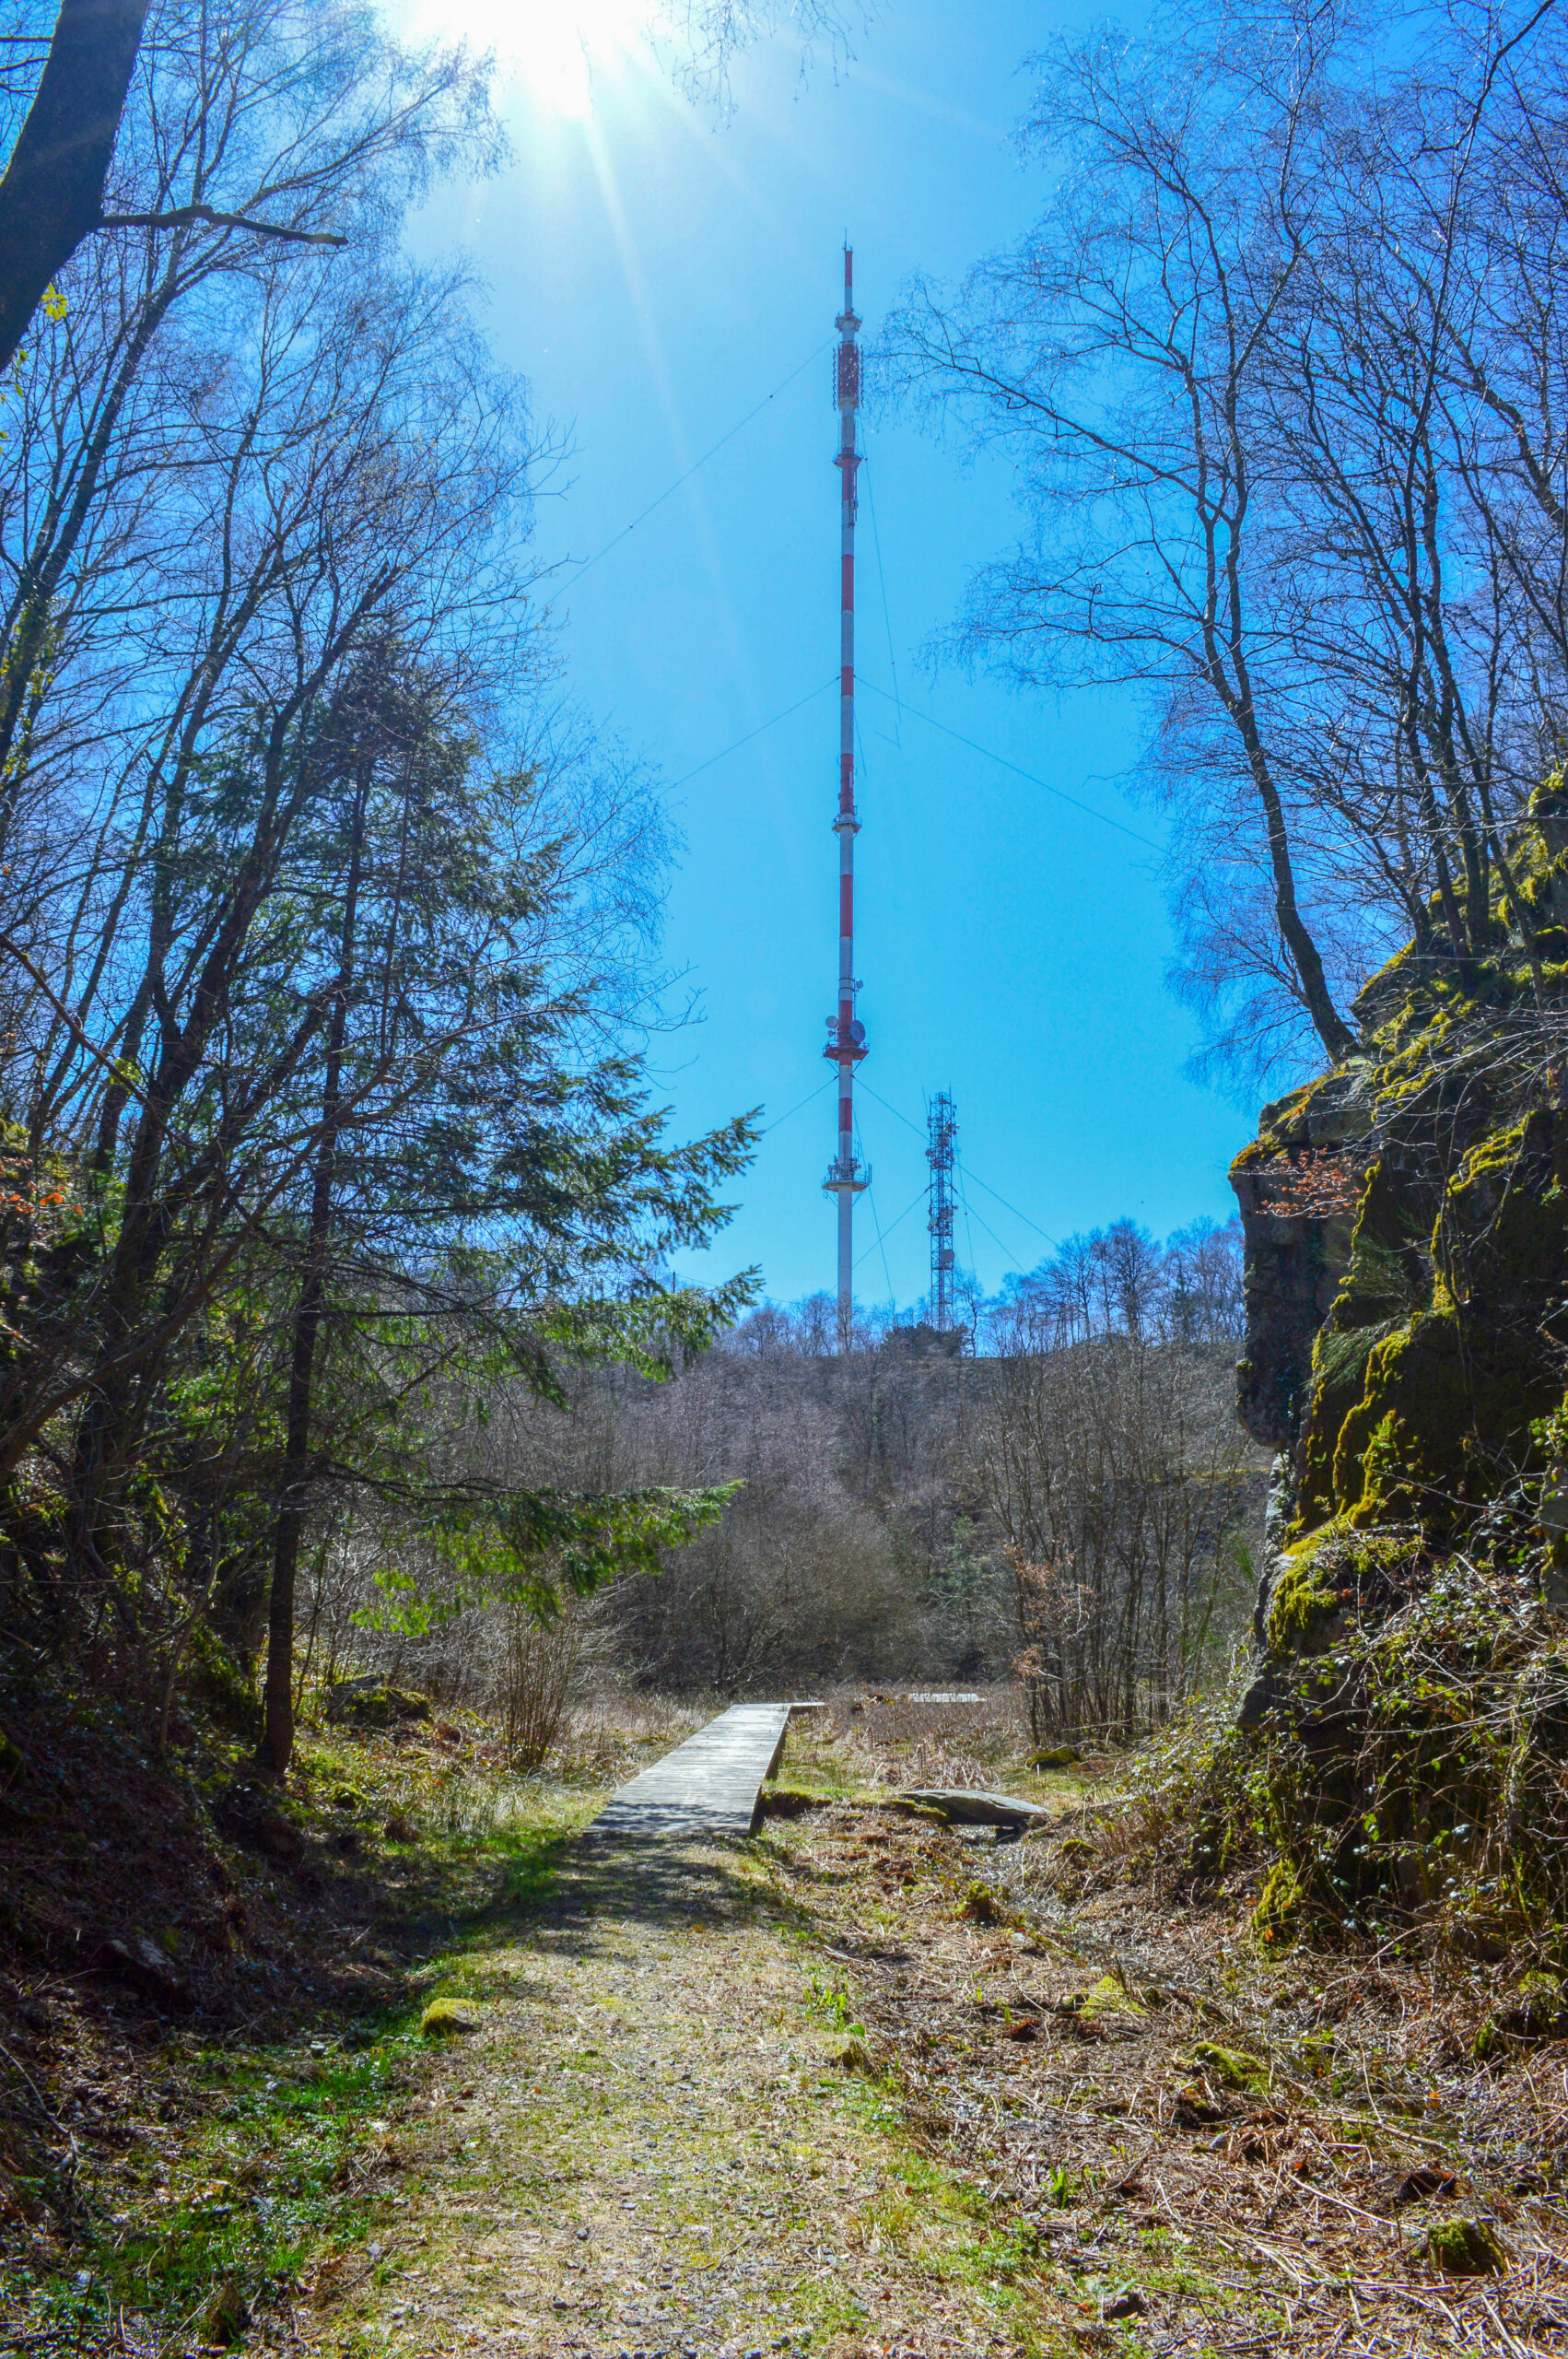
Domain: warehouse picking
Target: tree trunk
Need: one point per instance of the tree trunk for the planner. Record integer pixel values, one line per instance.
(1335, 1033)
(52, 195)
(278, 1742)
(1234, 688)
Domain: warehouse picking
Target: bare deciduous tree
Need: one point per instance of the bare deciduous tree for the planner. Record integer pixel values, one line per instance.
(1282, 374)
(1116, 355)
(312, 948)
(1106, 1458)
(52, 190)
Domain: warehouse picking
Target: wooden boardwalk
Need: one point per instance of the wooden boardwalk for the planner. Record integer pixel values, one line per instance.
(710, 1784)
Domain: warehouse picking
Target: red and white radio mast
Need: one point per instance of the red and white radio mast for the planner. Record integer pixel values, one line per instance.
(846, 1034)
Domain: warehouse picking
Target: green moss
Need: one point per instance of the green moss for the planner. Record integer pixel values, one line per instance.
(1281, 1906)
(981, 1906)
(1462, 1381)
(1302, 1598)
(1282, 1124)
(1402, 1765)
(1385, 1466)
(1108, 1997)
(1399, 1454)
(1234, 2068)
(1466, 2248)
(444, 2019)
(379, 1706)
(1339, 1366)
(222, 1685)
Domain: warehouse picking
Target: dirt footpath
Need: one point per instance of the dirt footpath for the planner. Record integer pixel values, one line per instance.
(832, 2090)
(659, 2137)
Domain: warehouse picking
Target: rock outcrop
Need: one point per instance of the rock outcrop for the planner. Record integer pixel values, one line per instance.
(1405, 1218)
(1397, 1757)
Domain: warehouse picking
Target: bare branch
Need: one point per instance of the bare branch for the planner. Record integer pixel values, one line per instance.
(185, 216)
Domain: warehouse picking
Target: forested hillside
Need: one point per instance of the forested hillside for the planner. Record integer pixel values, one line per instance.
(1060, 1493)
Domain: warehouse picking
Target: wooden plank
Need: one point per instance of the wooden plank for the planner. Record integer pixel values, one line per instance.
(710, 1784)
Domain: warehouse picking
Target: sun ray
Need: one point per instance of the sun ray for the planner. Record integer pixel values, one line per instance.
(669, 402)
(561, 51)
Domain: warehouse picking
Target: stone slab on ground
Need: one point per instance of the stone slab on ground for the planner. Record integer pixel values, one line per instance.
(710, 1784)
(961, 1807)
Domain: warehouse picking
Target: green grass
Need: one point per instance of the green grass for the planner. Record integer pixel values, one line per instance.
(830, 2000)
(929, 2214)
(277, 2168)
(281, 2169)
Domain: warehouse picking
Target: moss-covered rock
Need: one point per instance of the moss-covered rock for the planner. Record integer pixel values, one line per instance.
(1406, 1221)
(1466, 2248)
(1406, 1217)
(1338, 1572)
(444, 2019)
(1107, 1999)
(1302, 1599)
(374, 1704)
(1232, 2067)
(981, 1906)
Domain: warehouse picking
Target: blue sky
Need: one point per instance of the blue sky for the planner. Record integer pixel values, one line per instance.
(657, 274)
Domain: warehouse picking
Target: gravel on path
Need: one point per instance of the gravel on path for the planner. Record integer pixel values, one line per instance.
(659, 2140)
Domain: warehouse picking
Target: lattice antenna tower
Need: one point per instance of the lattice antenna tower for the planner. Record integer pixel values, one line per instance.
(846, 1033)
(942, 1129)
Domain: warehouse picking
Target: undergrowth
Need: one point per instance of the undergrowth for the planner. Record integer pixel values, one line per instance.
(228, 2158)
(1404, 1786)
(287, 2171)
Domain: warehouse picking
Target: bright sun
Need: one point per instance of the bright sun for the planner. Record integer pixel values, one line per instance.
(558, 47)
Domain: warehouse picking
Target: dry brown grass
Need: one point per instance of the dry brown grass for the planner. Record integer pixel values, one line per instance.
(887, 1739)
(1073, 2059)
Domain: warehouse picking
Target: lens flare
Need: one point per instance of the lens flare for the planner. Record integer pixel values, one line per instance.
(557, 49)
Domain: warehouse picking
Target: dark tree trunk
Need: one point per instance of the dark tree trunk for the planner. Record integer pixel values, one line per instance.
(278, 1742)
(52, 195)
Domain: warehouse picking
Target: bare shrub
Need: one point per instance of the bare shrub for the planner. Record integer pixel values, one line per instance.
(1106, 1458)
(541, 1664)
